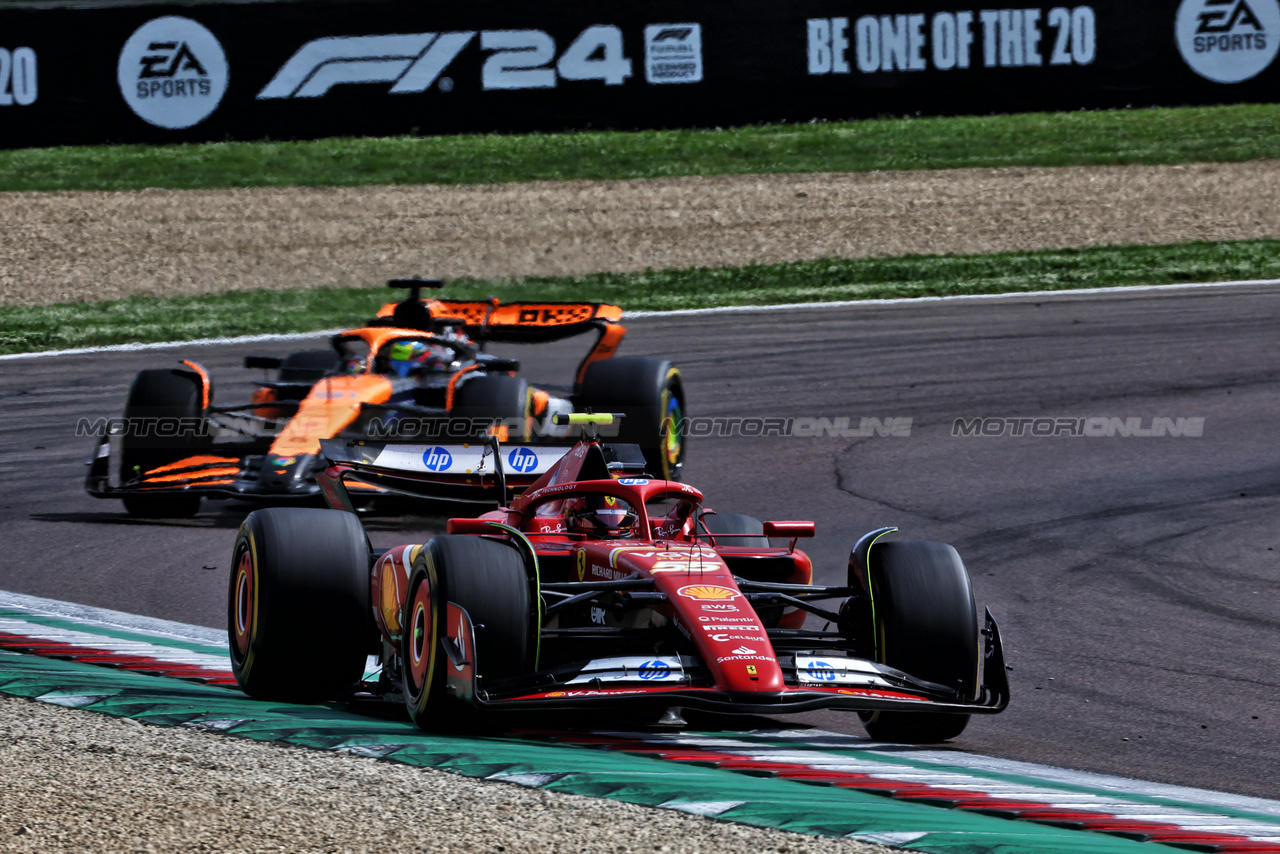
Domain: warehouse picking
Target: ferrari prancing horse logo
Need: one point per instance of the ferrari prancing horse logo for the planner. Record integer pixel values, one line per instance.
(582, 564)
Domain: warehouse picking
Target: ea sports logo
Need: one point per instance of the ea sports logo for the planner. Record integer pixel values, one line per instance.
(522, 460)
(172, 72)
(1228, 41)
(437, 459)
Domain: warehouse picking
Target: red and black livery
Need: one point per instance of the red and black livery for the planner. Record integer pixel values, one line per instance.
(671, 605)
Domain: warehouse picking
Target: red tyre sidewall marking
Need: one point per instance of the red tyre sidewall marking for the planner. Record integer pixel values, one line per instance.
(420, 630)
(245, 604)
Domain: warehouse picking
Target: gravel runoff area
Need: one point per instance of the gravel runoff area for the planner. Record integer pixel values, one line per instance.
(68, 247)
(82, 781)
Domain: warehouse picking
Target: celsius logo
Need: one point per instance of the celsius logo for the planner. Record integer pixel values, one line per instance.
(436, 459)
(172, 72)
(1228, 41)
(522, 460)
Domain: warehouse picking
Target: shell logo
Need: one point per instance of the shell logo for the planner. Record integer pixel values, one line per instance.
(707, 592)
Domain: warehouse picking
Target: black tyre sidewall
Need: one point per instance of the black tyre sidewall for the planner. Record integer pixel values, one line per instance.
(926, 625)
(488, 580)
(497, 397)
(159, 394)
(169, 394)
(642, 388)
(312, 620)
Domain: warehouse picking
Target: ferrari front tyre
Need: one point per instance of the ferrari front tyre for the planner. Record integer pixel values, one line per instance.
(926, 625)
(298, 617)
(498, 398)
(487, 579)
(650, 392)
(164, 414)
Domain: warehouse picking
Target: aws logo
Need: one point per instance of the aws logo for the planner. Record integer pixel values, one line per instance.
(1228, 41)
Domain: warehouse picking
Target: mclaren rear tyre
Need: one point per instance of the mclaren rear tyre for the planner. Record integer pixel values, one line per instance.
(650, 392)
(299, 621)
(926, 625)
(165, 414)
(488, 580)
(307, 366)
(500, 398)
(735, 523)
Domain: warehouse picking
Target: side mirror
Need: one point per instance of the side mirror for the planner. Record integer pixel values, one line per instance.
(792, 530)
(470, 526)
(268, 362)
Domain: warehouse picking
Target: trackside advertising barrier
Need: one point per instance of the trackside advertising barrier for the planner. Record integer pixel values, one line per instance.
(295, 70)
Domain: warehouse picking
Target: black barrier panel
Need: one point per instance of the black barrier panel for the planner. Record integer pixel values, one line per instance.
(305, 70)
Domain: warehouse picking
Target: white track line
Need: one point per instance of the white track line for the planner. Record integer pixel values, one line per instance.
(680, 312)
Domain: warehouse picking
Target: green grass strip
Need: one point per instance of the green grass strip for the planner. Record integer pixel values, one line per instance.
(1151, 136)
(148, 319)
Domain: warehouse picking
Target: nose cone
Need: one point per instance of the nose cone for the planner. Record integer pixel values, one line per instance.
(726, 631)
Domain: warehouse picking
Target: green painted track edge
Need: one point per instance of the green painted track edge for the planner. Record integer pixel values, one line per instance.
(766, 802)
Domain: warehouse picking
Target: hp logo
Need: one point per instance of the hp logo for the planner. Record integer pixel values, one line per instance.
(522, 460)
(822, 670)
(654, 670)
(437, 459)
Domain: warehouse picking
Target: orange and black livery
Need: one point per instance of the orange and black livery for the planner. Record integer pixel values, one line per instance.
(419, 372)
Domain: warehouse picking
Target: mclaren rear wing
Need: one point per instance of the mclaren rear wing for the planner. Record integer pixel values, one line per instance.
(532, 322)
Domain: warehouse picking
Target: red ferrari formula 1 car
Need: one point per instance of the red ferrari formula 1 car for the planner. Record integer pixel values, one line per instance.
(417, 371)
(602, 587)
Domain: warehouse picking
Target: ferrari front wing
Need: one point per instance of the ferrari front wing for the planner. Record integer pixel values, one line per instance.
(816, 681)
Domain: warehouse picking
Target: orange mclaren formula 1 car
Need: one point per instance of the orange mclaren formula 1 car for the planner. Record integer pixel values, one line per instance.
(417, 372)
(602, 588)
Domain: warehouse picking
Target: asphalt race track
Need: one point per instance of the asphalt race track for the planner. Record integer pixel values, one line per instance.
(1135, 579)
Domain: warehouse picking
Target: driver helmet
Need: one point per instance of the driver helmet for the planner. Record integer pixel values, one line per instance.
(603, 516)
(412, 357)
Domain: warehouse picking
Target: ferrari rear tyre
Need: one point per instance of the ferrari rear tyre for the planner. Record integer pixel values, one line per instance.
(926, 625)
(650, 392)
(298, 616)
(307, 366)
(735, 523)
(488, 580)
(497, 397)
(165, 414)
